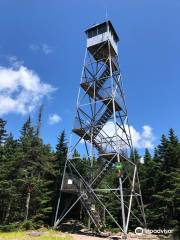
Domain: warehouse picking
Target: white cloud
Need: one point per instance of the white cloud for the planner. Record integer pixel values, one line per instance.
(21, 89)
(54, 119)
(46, 49)
(141, 159)
(143, 139)
(34, 47)
(147, 137)
(14, 61)
(43, 47)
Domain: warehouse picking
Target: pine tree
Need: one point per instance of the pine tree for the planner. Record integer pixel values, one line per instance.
(34, 175)
(149, 173)
(60, 156)
(39, 120)
(147, 156)
(166, 199)
(61, 150)
(8, 190)
(58, 166)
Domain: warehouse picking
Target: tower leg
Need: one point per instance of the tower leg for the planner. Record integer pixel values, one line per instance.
(122, 206)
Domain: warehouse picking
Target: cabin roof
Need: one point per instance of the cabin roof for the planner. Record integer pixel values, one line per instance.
(100, 24)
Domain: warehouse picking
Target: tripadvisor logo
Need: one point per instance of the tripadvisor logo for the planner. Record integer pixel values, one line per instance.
(140, 231)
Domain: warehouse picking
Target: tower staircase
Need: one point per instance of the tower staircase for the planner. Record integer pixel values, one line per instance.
(91, 134)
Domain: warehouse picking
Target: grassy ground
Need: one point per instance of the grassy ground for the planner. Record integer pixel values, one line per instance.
(30, 235)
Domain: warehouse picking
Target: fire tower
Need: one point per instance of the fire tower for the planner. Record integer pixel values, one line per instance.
(101, 134)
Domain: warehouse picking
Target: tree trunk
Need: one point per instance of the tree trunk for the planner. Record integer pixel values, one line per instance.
(7, 212)
(27, 205)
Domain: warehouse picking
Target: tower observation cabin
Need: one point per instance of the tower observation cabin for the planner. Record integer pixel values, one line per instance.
(99, 36)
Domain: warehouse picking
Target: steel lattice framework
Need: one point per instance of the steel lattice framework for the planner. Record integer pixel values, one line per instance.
(101, 133)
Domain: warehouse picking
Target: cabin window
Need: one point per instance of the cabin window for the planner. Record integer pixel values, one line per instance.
(92, 33)
(97, 31)
(102, 29)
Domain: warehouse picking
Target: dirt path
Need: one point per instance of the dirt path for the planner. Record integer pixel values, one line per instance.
(84, 237)
(130, 237)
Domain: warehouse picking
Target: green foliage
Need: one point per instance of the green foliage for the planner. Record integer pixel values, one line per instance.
(160, 183)
(28, 174)
(27, 225)
(31, 174)
(59, 159)
(9, 227)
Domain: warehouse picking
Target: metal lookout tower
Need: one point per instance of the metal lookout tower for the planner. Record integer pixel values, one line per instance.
(101, 134)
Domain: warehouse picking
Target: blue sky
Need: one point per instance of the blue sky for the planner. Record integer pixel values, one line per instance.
(44, 41)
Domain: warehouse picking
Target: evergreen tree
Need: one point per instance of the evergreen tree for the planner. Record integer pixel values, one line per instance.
(39, 120)
(8, 169)
(147, 156)
(58, 167)
(61, 151)
(34, 176)
(165, 202)
(148, 176)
